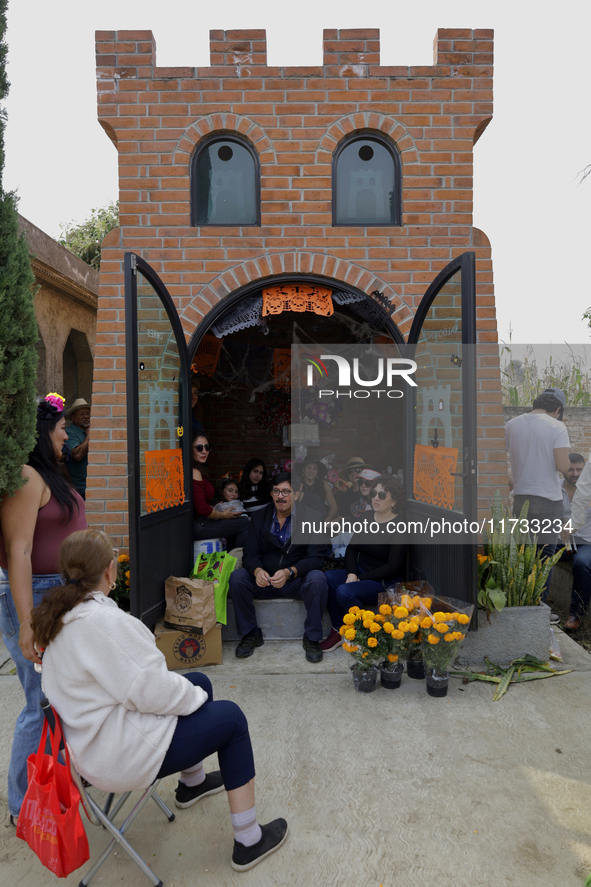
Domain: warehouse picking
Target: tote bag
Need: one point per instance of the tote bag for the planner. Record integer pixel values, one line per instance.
(50, 820)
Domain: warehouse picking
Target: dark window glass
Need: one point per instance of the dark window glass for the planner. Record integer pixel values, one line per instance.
(226, 185)
(366, 184)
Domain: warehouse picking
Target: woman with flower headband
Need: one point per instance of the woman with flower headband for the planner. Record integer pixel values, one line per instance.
(33, 524)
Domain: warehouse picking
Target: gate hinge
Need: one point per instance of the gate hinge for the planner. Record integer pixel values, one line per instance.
(133, 263)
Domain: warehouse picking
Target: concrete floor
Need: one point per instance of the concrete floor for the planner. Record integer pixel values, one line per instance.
(392, 788)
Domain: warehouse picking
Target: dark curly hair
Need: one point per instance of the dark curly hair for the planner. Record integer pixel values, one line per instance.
(393, 486)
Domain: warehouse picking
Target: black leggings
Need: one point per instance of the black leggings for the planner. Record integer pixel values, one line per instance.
(216, 726)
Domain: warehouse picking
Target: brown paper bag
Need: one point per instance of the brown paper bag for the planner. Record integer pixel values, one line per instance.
(190, 605)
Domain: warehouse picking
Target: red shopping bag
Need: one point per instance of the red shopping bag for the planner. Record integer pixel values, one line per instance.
(50, 820)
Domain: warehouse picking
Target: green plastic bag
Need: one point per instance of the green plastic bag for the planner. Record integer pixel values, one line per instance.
(216, 567)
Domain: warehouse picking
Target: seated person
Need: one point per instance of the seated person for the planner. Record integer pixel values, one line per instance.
(253, 487)
(211, 523)
(129, 720)
(581, 557)
(348, 501)
(367, 565)
(313, 476)
(228, 497)
(276, 567)
(358, 507)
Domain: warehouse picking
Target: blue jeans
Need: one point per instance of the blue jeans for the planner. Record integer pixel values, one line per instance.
(581, 591)
(27, 732)
(215, 727)
(344, 595)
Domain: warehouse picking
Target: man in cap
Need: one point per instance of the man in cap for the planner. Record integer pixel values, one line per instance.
(78, 439)
(539, 445)
(347, 499)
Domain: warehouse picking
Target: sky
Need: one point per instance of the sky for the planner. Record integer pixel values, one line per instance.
(528, 197)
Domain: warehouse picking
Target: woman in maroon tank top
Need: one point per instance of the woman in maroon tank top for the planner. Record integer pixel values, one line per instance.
(34, 522)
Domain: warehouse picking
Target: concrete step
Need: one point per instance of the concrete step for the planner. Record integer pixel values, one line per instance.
(280, 619)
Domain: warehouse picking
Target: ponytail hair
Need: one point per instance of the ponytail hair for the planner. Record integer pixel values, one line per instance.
(84, 557)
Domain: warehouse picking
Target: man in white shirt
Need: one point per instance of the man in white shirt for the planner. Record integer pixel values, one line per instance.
(538, 444)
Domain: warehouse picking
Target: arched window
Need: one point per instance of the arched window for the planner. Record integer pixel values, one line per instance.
(366, 182)
(225, 188)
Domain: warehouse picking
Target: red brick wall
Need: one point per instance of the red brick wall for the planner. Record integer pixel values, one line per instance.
(294, 117)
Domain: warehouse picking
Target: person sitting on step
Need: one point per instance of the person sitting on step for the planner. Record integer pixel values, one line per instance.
(274, 566)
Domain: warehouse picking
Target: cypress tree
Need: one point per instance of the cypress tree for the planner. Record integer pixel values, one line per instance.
(18, 326)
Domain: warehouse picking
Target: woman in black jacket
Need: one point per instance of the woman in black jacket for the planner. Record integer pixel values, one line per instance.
(367, 565)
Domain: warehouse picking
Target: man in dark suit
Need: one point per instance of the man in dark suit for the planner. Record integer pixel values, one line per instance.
(276, 567)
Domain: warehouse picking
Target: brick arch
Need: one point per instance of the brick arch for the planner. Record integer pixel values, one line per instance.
(203, 126)
(288, 265)
(391, 127)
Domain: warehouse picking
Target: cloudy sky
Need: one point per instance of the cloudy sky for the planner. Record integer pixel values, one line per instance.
(527, 196)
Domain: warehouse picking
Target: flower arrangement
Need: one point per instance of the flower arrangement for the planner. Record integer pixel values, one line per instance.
(442, 631)
(325, 411)
(408, 595)
(365, 638)
(402, 628)
(120, 593)
(56, 400)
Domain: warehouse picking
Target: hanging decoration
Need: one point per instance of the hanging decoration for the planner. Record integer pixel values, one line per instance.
(164, 479)
(433, 478)
(282, 370)
(295, 297)
(206, 358)
(274, 411)
(248, 313)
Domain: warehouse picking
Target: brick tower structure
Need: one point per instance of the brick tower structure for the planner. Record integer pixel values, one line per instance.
(294, 119)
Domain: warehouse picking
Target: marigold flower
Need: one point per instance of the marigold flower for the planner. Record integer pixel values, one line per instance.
(374, 627)
(364, 655)
(406, 602)
(349, 619)
(348, 648)
(397, 634)
(350, 634)
(463, 619)
(403, 626)
(442, 627)
(123, 558)
(413, 626)
(439, 617)
(453, 617)
(355, 610)
(385, 609)
(450, 637)
(367, 623)
(400, 612)
(427, 622)
(392, 657)
(377, 618)
(388, 627)
(416, 601)
(433, 639)
(372, 642)
(342, 630)
(427, 601)
(459, 635)
(127, 575)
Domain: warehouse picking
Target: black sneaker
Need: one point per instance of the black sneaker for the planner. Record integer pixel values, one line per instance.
(274, 834)
(312, 648)
(186, 795)
(251, 640)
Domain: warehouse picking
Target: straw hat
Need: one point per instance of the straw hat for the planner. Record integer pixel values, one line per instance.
(79, 404)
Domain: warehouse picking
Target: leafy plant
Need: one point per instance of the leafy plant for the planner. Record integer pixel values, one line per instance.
(18, 326)
(524, 380)
(120, 593)
(85, 239)
(516, 565)
(490, 596)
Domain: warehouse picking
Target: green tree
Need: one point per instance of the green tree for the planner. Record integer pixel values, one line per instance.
(85, 239)
(18, 327)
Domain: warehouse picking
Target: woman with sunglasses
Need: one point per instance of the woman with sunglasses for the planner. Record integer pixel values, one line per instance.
(210, 523)
(367, 565)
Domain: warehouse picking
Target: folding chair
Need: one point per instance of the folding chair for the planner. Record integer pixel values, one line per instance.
(106, 814)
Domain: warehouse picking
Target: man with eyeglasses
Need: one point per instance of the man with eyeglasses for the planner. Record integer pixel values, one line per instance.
(275, 567)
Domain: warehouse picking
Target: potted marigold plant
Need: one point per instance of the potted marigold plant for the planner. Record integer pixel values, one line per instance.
(442, 631)
(409, 595)
(366, 641)
(401, 626)
(120, 594)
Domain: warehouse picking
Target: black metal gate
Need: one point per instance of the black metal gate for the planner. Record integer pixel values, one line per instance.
(158, 440)
(444, 324)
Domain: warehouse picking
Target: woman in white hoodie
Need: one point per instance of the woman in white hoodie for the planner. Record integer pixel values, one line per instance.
(127, 719)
